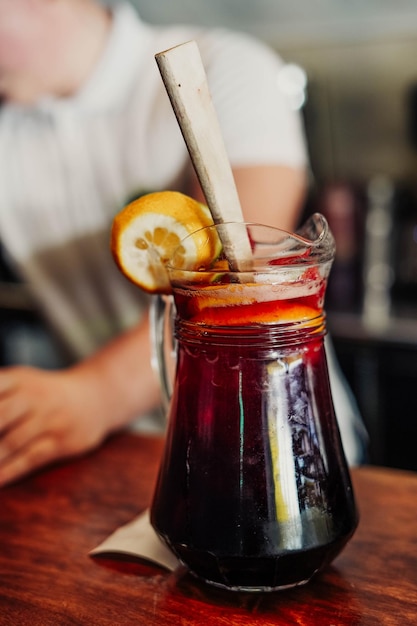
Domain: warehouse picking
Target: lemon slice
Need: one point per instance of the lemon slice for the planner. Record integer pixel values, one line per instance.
(146, 232)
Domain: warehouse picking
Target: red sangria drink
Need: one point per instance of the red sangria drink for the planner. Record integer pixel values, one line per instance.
(254, 491)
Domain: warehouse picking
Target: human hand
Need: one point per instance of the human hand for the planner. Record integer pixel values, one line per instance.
(46, 416)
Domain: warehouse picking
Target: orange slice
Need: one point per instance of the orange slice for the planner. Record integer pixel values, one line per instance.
(256, 313)
(146, 232)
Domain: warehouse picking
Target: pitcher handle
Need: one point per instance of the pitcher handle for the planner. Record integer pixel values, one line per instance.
(163, 343)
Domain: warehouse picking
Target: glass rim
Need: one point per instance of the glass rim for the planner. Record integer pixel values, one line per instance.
(277, 250)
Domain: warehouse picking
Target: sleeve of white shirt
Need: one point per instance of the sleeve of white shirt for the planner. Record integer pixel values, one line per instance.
(258, 124)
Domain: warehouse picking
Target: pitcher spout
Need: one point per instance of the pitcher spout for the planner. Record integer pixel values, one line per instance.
(316, 236)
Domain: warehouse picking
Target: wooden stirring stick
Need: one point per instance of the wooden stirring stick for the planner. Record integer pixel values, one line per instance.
(185, 80)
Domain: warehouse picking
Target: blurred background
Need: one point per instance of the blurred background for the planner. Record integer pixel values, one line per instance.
(352, 72)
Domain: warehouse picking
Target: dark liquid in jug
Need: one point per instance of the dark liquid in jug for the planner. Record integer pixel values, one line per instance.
(253, 491)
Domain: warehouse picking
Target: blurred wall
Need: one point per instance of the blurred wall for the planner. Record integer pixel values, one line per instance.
(360, 112)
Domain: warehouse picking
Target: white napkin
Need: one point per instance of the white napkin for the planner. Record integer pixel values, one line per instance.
(138, 538)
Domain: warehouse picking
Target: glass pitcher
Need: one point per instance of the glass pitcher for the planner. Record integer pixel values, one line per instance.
(253, 491)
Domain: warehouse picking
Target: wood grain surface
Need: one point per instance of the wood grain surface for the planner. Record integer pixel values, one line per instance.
(50, 521)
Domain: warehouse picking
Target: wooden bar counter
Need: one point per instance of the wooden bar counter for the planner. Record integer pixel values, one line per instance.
(50, 521)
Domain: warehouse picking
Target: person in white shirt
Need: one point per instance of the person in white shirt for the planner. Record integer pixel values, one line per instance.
(85, 126)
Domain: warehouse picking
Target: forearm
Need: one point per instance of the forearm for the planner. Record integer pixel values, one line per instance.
(122, 379)
(269, 194)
